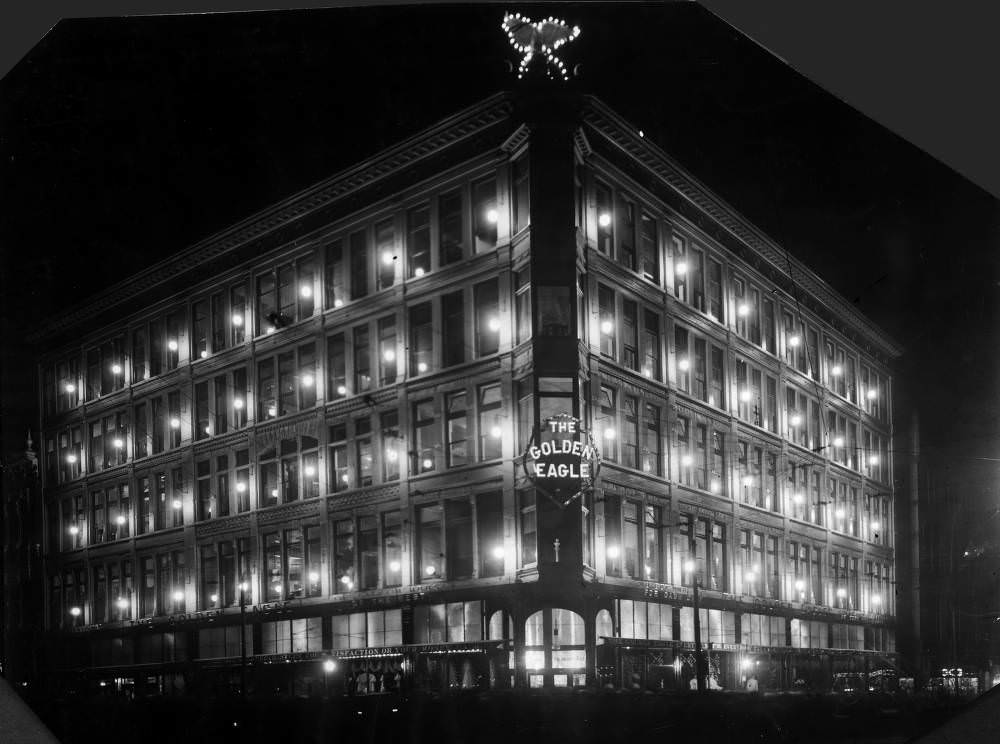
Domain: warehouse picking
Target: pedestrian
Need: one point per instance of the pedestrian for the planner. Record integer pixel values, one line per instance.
(752, 685)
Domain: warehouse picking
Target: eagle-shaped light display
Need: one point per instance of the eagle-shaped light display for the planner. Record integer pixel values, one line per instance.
(538, 37)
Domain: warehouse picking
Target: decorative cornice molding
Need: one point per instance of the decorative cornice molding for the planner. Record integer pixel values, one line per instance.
(459, 127)
(607, 124)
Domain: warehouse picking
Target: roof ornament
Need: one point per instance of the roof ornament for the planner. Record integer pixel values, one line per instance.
(542, 37)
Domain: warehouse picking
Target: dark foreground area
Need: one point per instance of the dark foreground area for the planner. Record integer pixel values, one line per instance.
(500, 717)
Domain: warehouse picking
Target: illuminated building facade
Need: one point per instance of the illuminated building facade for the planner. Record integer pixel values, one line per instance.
(305, 435)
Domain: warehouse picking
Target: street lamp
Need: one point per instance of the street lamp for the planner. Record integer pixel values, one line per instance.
(329, 667)
(699, 656)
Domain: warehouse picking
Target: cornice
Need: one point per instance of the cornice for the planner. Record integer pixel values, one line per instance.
(607, 124)
(426, 144)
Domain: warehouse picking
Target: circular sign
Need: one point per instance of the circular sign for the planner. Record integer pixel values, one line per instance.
(562, 459)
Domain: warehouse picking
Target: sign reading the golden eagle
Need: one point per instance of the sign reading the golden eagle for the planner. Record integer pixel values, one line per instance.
(561, 459)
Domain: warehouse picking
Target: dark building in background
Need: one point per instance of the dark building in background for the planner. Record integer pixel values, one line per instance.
(21, 601)
(300, 441)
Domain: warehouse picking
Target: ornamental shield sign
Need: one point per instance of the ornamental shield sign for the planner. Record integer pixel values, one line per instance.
(561, 459)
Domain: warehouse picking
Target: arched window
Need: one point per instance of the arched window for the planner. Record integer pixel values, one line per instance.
(604, 627)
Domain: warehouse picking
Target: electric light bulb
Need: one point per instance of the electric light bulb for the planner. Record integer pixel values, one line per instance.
(837, 370)
(71, 459)
(839, 513)
(74, 611)
(270, 329)
(748, 481)
(338, 303)
(70, 387)
(393, 566)
(237, 403)
(236, 319)
(177, 504)
(681, 268)
(391, 454)
(684, 365)
(799, 498)
(310, 471)
(421, 366)
(116, 369)
(389, 355)
(606, 326)
(387, 258)
(313, 576)
(272, 411)
(120, 519)
(689, 566)
(745, 396)
(795, 420)
(172, 345)
(493, 323)
(686, 460)
(495, 432)
(123, 603)
(498, 551)
(430, 570)
(715, 486)
(491, 216)
(118, 443)
(208, 429)
(751, 577)
(74, 530)
(838, 441)
(178, 596)
(743, 310)
(418, 271)
(427, 463)
(329, 665)
(345, 478)
(873, 460)
(876, 600)
(613, 551)
(609, 433)
(305, 290)
(204, 354)
(604, 219)
(876, 526)
(341, 390)
(175, 423)
(794, 341)
(800, 585)
(241, 487)
(841, 592)
(274, 492)
(871, 394)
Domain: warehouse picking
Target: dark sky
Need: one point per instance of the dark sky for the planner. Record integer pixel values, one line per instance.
(124, 140)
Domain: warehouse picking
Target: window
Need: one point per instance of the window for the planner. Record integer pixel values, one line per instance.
(288, 470)
(68, 382)
(605, 428)
(365, 457)
(158, 345)
(707, 547)
(489, 537)
(286, 383)
(484, 206)
(335, 277)
(487, 318)
(630, 335)
(651, 346)
(625, 231)
(421, 339)
(105, 368)
(490, 432)
(418, 240)
(426, 437)
(528, 527)
(283, 558)
(336, 367)
(392, 548)
(453, 335)
(387, 350)
(362, 360)
(522, 302)
(520, 189)
(338, 478)
(456, 429)
(652, 460)
(649, 248)
(450, 228)
(607, 319)
(359, 264)
(385, 249)
(285, 295)
(430, 548)
(391, 444)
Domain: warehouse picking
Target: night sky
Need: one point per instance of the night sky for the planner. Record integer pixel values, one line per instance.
(125, 140)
